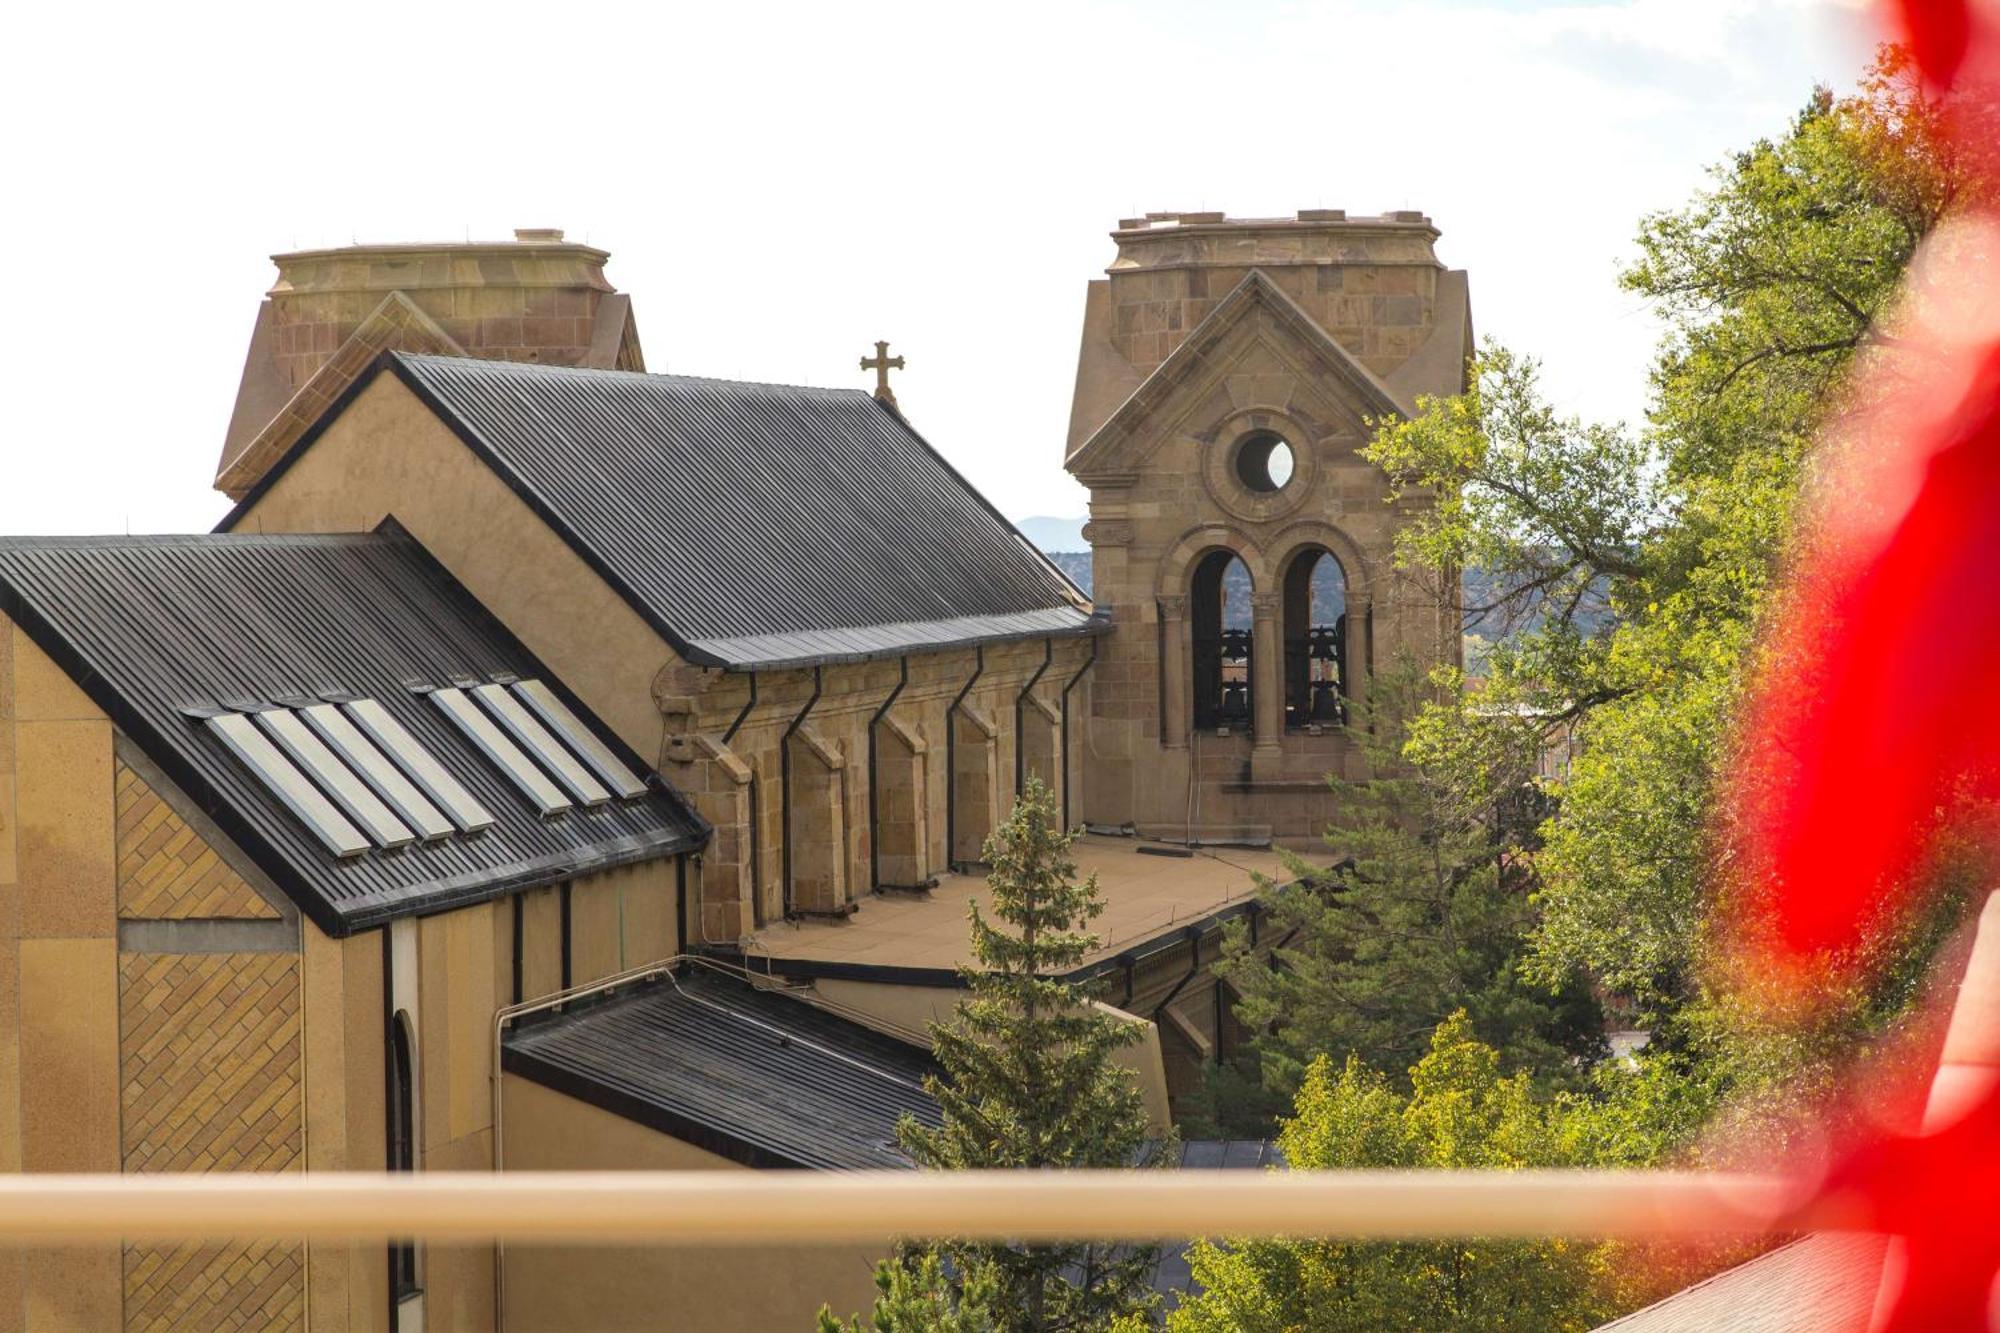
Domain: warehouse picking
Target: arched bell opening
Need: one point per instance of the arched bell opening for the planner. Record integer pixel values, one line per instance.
(1219, 625)
(1315, 620)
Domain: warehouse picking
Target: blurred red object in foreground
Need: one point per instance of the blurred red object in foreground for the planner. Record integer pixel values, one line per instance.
(1878, 709)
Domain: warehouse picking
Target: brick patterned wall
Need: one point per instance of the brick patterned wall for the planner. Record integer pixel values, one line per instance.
(209, 1063)
(165, 870)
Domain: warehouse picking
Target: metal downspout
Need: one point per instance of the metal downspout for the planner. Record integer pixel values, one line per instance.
(875, 782)
(1021, 717)
(680, 907)
(785, 787)
(951, 761)
(1088, 663)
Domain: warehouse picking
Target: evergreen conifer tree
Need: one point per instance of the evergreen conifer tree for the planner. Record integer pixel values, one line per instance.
(1029, 1081)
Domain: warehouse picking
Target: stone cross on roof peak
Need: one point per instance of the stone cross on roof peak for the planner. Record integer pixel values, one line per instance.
(882, 363)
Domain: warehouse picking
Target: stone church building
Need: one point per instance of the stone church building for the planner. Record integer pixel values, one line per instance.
(549, 764)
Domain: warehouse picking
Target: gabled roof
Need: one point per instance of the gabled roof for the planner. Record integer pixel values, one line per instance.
(1255, 293)
(749, 1074)
(755, 526)
(164, 632)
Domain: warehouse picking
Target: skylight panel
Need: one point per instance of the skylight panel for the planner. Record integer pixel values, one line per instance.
(536, 740)
(375, 769)
(291, 788)
(570, 729)
(336, 779)
(506, 756)
(431, 777)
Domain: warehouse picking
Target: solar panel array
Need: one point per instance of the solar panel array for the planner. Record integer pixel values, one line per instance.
(356, 778)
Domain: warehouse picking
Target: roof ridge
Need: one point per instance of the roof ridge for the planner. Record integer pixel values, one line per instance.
(501, 365)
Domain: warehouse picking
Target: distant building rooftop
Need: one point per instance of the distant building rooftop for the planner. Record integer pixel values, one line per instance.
(1822, 1283)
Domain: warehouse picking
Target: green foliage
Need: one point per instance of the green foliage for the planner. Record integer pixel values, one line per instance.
(1770, 281)
(914, 1295)
(1460, 1111)
(1425, 914)
(1030, 1080)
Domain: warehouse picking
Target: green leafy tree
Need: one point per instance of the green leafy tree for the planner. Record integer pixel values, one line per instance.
(1426, 913)
(1633, 568)
(1460, 1111)
(1029, 1080)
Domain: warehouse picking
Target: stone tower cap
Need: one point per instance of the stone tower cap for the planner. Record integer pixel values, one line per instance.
(538, 235)
(1168, 221)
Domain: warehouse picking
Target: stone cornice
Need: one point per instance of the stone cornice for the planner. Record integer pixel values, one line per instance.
(1347, 226)
(449, 249)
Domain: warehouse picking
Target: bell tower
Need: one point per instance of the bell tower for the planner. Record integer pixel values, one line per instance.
(1229, 372)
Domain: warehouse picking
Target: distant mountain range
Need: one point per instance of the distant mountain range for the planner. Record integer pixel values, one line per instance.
(1076, 564)
(1054, 534)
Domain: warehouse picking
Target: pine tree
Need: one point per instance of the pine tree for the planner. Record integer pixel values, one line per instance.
(1030, 1081)
(1427, 912)
(915, 1294)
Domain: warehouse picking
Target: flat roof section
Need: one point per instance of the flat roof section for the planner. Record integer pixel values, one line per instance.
(753, 1075)
(1146, 896)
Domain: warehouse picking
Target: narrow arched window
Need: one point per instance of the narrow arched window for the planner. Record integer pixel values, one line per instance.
(1316, 680)
(402, 1148)
(1219, 625)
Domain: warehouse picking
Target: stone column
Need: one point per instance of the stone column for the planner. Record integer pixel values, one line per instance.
(1174, 672)
(1356, 664)
(1267, 683)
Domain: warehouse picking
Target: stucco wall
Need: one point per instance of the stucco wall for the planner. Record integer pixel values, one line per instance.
(660, 1289)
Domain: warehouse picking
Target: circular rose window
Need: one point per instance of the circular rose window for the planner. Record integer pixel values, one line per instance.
(1264, 462)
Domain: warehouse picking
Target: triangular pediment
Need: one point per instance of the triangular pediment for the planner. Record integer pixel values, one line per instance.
(1260, 331)
(396, 325)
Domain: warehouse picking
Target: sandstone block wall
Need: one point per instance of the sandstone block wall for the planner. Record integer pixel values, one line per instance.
(1208, 333)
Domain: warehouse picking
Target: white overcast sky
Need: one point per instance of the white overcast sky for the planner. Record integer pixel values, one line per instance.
(780, 185)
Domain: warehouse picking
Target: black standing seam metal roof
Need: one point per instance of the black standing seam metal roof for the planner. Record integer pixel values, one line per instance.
(756, 526)
(751, 1075)
(161, 630)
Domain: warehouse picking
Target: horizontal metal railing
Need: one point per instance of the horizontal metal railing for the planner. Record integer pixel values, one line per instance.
(784, 1207)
